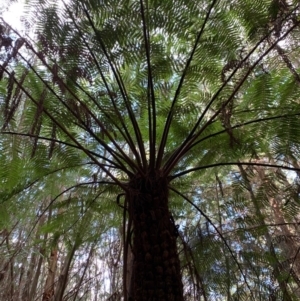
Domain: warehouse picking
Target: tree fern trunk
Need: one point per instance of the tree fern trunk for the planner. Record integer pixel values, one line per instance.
(156, 270)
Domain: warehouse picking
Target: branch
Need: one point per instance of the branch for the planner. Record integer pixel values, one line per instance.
(80, 146)
(125, 135)
(67, 144)
(185, 146)
(122, 90)
(150, 92)
(177, 93)
(219, 233)
(232, 163)
(244, 124)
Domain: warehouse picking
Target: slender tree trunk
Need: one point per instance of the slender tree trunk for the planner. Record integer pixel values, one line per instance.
(28, 279)
(276, 271)
(34, 268)
(36, 277)
(63, 277)
(91, 253)
(156, 269)
(49, 285)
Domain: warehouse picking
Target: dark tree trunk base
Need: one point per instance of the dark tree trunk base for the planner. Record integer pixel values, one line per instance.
(156, 270)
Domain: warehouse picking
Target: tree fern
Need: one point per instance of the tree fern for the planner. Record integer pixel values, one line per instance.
(160, 133)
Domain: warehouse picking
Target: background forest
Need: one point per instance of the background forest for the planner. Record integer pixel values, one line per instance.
(149, 150)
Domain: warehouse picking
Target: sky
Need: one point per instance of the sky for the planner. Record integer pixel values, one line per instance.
(13, 15)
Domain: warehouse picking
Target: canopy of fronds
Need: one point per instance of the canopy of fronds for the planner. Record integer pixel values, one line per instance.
(207, 92)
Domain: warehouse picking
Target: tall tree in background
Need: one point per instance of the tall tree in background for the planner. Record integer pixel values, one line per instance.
(146, 115)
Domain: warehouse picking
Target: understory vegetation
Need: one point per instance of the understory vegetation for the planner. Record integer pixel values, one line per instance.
(149, 150)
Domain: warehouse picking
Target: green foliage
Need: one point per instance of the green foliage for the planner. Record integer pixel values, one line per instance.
(205, 92)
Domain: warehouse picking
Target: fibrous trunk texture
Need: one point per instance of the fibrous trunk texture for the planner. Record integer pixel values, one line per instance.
(156, 270)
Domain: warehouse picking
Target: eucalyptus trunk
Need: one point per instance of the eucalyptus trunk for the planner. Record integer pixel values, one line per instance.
(48, 292)
(156, 268)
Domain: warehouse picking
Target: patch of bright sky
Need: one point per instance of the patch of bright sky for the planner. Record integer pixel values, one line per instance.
(14, 14)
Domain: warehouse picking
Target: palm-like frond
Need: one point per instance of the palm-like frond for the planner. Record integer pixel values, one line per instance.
(205, 94)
